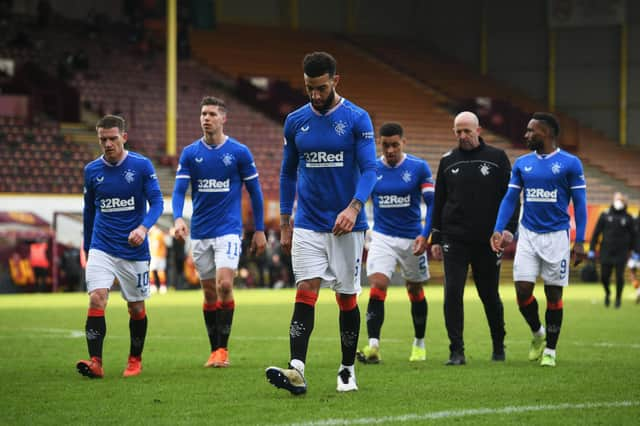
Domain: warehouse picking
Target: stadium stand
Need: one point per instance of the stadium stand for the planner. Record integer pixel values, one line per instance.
(382, 84)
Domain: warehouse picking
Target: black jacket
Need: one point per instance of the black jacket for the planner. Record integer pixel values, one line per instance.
(618, 232)
(469, 188)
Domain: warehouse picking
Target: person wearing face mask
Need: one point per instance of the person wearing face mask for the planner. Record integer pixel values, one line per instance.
(614, 234)
(471, 181)
(549, 179)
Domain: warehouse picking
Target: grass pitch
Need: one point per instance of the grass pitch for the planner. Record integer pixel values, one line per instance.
(597, 380)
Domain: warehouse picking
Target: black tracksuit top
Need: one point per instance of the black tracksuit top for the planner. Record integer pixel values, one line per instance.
(469, 188)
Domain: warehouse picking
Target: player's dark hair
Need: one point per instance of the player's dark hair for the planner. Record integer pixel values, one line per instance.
(316, 64)
(110, 121)
(212, 100)
(391, 129)
(549, 120)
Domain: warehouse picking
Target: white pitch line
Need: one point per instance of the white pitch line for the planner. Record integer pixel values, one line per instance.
(447, 414)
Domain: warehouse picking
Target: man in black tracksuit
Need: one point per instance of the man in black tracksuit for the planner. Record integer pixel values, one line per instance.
(618, 232)
(471, 181)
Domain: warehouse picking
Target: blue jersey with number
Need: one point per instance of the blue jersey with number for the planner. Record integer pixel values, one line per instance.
(217, 174)
(397, 195)
(332, 158)
(547, 182)
(115, 203)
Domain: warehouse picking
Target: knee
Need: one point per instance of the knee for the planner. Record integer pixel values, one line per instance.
(98, 299)
(137, 310)
(346, 302)
(416, 291)
(224, 287)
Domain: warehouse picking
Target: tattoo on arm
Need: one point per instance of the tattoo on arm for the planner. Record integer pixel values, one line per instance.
(356, 205)
(285, 220)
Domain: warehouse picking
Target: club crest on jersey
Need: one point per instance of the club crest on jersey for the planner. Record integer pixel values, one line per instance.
(129, 175)
(555, 168)
(340, 127)
(406, 176)
(485, 169)
(227, 159)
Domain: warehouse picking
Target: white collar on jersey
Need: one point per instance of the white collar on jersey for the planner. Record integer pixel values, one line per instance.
(404, 157)
(316, 112)
(126, 154)
(545, 156)
(226, 138)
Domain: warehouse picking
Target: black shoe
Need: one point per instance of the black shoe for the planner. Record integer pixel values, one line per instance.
(606, 301)
(617, 305)
(498, 356)
(456, 358)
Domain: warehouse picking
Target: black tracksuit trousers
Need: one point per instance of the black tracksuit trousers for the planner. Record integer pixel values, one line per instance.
(485, 266)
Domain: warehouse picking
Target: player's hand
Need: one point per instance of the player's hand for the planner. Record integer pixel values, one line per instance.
(419, 245)
(258, 243)
(137, 236)
(496, 241)
(345, 221)
(436, 251)
(578, 253)
(182, 230)
(286, 235)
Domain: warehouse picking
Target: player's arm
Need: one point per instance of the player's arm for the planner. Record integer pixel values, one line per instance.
(88, 212)
(288, 179)
(249, 174)
(579, 198)
(505, 212)
(183, 177)
(512, 226)
(153, 195)
(427, 188)
(366, 158)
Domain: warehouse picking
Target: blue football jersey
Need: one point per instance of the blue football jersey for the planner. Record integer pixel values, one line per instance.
(397, 196)
(326, 154)
(547, 182)
(115, 203)
(217, 174)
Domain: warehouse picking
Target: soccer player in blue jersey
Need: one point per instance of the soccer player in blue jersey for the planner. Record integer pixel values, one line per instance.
(117, 187)
(398, 238)
(217, 165)
(329, 153)
(550, 178)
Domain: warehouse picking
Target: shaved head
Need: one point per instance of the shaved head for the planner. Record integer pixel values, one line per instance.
(468, 118)
(466, 127)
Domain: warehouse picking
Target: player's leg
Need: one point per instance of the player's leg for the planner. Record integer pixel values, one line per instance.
(619, 282)
(99, 279)
(555, 273)
(381, 262)
(345, 259)
(456, 266)
(204, 261)
(415, 271)
(134, 285)
(605, 276)
(310, 264)
(526, 268)
(486, 275)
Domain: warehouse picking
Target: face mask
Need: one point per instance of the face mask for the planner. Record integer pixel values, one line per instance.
(618, 204)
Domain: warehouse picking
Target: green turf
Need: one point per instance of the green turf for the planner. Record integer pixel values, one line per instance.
(597, 380)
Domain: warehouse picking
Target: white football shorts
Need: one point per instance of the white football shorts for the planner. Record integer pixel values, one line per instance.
(633, 264)
(547, 255)
(337, 261)
(133, 276)
(385, 252)
(212, 253)
(158, 264)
